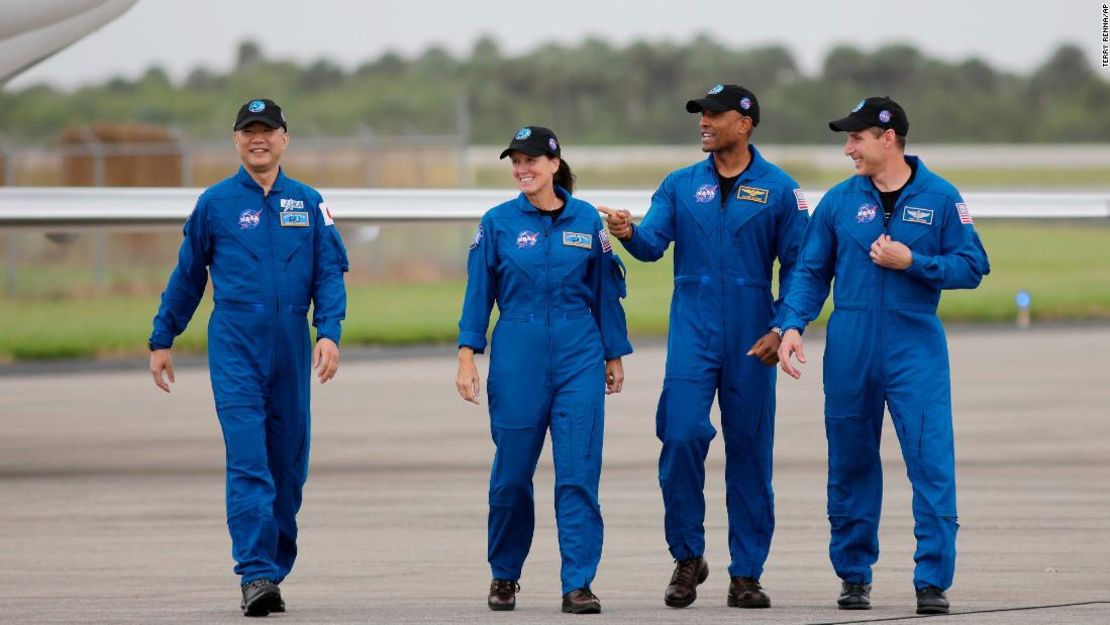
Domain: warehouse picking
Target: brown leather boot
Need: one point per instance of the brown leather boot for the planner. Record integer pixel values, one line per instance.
(745, 592)
(683, 589)
(581, 601)
(502, 594)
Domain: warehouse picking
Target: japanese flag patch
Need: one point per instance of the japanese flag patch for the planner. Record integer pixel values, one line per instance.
(325, 214)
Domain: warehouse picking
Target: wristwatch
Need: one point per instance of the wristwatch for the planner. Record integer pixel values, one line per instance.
(777, 330)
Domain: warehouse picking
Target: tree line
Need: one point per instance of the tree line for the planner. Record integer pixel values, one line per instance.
(592, 93)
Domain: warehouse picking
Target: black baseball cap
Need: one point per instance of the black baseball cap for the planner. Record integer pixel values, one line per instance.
(727, 97)
(260, 110)
(534, 141)
(874, 112)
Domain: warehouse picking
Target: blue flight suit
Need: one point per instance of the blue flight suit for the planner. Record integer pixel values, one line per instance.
(722, 305)
(269, 256)
(886, 344)
(558, 288)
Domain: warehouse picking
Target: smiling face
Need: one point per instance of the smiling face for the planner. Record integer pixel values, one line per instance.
(533, 173)
(869, 149)
(724, 130)
(260, 147)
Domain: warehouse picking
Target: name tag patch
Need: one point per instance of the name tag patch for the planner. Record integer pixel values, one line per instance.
(288, 204)
(917, 215)
(752, 194)
(578, 239)
(295, 219)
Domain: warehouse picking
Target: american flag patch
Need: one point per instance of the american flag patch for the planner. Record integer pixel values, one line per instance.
(803, 205)
(603, 236)
(965, 215)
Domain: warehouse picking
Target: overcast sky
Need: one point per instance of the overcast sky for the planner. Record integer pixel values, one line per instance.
(180, 35)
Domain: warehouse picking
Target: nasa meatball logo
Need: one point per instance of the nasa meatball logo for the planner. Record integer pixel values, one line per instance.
(523, 134)
(705, 193)
(866, 213)
(553, 144)
(745, 103)
(884, 116)
(248, 219)
(527, 239)
(257, 106)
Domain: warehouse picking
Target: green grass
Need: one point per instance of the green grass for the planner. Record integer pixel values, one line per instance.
(1064, 265)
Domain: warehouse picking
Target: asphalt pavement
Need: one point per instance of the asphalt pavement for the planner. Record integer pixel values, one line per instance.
(112, 509)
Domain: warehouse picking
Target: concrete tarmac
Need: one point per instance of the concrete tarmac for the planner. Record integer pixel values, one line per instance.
(112, 508)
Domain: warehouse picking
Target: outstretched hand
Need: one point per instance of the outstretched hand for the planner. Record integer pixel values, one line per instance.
(619, 221)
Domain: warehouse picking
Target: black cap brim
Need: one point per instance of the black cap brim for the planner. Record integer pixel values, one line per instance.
(247, 121)
(848, 124)
(530, 150)
(697, 106)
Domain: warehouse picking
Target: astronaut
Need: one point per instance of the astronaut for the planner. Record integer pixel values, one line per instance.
(546, 260)
(272, 249)
(892, 236)
(729, 216)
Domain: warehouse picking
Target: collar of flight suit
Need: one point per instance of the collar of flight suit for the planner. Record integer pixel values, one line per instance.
(526, 207)
(245, 179)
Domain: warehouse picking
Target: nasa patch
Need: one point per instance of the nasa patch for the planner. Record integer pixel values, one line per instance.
(249, 219)
(705, 193)
(884, 116)
(523, 134)
(477, 237)
(715, 90)
(256, 106)
(527, 238)
(866, 213)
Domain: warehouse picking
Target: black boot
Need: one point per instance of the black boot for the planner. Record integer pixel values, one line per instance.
(931, 600)
(260, 596)
(854, 596)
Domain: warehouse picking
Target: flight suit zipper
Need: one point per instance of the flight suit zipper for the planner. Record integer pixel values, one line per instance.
(274, 277)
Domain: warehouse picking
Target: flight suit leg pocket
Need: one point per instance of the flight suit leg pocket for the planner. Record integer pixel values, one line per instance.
(576, 434)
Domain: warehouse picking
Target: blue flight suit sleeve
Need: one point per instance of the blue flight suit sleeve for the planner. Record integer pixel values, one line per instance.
(962, 261)
(650, 239)
(329, 294)
(481, 289)
(812, 274)
(793, 219)
(609, 288)
(186, 285)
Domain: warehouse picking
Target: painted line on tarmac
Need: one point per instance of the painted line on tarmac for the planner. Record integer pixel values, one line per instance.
(917, 616)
